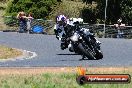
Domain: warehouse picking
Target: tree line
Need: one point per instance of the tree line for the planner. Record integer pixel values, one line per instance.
(42, 8)
(115, 10)
(39, 8)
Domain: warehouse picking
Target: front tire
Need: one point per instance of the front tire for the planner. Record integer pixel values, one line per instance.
(99, 55)
(88, 54)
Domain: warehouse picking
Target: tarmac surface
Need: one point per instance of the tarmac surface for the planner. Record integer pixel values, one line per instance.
(117, 52)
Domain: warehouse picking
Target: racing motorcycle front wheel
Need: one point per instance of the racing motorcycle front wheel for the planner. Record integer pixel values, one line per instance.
(85, 52)
(99, 54)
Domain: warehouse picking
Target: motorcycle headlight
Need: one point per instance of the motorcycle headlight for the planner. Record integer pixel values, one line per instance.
(75, 37)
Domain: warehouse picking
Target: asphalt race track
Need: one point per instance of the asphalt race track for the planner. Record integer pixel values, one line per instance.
(117, 52)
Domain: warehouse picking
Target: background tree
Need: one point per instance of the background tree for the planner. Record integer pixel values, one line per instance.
(113, 10)
(89, 15)
(39, 8)
(42, 8)
(126, 11)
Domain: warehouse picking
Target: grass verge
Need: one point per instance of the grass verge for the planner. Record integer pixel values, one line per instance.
(56, 80)
(6, 52)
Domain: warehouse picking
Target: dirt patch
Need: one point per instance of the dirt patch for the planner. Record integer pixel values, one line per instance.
(12, 54)
(6, 52)
(41, 70)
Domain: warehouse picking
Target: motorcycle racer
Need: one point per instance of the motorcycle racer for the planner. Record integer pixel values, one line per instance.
(60, 30)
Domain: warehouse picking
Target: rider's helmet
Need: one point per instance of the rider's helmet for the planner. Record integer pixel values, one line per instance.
(61, 19)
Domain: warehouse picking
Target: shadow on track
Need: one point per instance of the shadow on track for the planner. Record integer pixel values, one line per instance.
(80, 59)
(67, 54)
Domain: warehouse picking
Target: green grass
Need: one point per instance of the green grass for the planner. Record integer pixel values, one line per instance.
(3, 6)
(50, 80)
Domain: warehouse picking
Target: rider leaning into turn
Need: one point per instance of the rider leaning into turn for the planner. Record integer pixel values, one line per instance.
(71, 21)
(60, 29)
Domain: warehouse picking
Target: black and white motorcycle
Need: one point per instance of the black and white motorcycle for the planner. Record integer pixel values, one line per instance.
(84, 43)
(80, 41)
